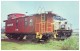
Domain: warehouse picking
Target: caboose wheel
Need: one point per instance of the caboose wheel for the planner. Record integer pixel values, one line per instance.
(12, 36)
(20, 37)
(9, 36)
(15, 37)
(69, 34)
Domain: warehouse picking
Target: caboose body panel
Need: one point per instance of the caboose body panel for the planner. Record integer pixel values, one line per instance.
(38, 24)
(10, 26)
(20, 25)
(49, 26)
(29, 24)
(43, 23)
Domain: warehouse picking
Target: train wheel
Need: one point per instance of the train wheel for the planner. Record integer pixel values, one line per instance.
(9, 36)
(33, 38)
(69, 34)
(45, 37)
(15, 36)
(20, 37)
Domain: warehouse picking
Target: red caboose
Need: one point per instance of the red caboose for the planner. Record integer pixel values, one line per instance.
(37, 26)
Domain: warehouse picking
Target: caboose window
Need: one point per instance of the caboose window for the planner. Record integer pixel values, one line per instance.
(16, 23)
(43, 18)
(25, 19)
(31, 22)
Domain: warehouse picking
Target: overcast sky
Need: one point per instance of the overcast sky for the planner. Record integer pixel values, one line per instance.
(66, 9)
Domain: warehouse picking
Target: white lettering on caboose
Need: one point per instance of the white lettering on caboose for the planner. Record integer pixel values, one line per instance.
(10, 24)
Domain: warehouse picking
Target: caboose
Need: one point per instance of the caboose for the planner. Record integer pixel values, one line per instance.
(34, 27)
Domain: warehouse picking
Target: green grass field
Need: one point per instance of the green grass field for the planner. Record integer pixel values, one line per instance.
(71, 43)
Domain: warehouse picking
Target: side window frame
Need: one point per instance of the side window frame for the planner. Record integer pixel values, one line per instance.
(17, 23)
(25, 22)
(43, 18)
(31, 22)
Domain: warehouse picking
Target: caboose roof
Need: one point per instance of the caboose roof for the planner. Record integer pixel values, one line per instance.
(37, 14)
(16, 14)
(56, 17)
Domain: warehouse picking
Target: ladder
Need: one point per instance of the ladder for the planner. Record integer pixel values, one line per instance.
(42, 23)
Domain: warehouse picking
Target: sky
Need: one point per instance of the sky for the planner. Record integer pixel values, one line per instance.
(66, 9)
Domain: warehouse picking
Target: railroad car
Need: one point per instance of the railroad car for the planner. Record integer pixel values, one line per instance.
(62, 29)
(33, 27)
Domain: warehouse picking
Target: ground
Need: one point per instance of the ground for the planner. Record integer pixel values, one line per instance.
(71, 43)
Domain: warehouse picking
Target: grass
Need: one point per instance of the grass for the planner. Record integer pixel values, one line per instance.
(71, 43)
